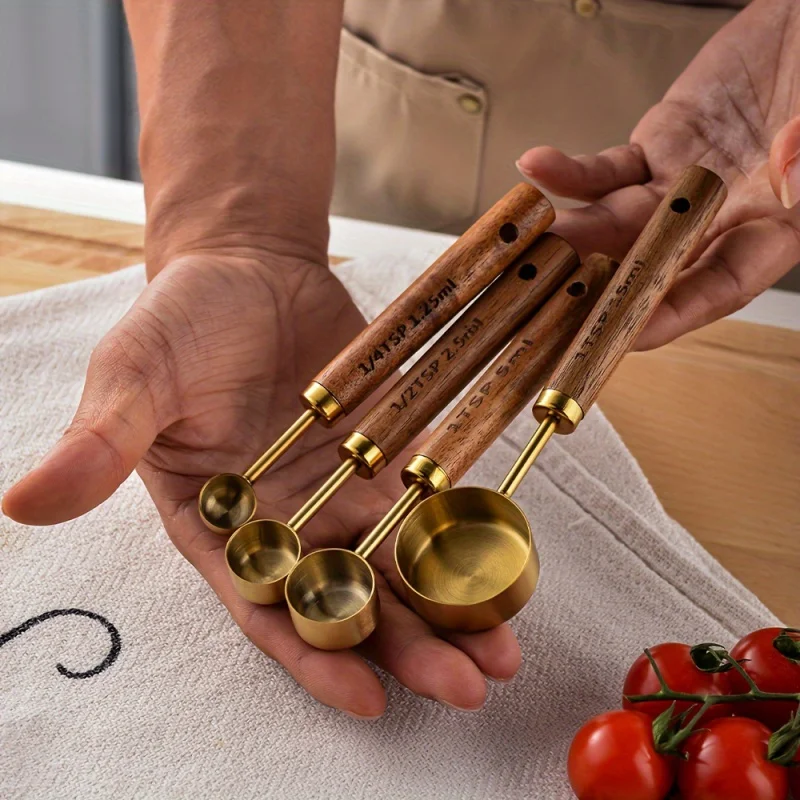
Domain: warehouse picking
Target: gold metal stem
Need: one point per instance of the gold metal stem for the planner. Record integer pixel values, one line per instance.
(284, 442)
(325, 492)
(526, 458)
(376, 536)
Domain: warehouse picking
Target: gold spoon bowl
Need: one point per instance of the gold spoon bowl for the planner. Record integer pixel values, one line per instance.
(227, 502)
(467, 558)
(332, 599)
(259, 557)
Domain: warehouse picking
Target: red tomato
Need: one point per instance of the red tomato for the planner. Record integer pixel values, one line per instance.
(681, 675)
(794, 781)
(727, 760)
(771, 670)
(612, 757)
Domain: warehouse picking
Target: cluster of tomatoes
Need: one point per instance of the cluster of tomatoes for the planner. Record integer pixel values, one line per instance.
(744, 749)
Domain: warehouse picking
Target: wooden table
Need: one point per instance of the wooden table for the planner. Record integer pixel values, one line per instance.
(714, 418)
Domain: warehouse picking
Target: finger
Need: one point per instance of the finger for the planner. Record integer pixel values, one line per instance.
(610, 225)
(585, 178)
(496, 652)
(784, 164)
(737, 267)
(404, 645)
(341, 680)
(113, 428)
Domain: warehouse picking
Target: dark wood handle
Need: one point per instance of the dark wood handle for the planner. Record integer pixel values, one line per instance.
(657, 257)
(512, 380)
(455, 358)
(433, 299)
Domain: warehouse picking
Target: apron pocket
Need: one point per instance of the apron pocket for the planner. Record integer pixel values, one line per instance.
(408, 143)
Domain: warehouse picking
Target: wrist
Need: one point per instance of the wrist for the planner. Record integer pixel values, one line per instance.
(232, 219)
(237, 142)
(246, 272)
(204, 194)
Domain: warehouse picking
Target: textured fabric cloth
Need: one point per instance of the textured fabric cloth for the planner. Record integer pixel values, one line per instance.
(159, 695)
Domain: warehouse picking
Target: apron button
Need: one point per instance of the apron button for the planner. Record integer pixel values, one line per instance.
(470, 103)
(587, 8)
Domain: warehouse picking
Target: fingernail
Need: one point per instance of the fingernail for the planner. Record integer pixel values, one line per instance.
(460, 708)
(362, 717)
(790, 184)
(522, 170)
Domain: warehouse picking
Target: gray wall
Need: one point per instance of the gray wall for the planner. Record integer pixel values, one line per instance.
(65, 85)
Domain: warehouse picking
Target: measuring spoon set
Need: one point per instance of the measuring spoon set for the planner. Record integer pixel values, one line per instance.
(465, 555)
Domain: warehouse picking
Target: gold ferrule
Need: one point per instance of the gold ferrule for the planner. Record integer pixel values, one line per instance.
(369, 457)
(316, 397)
(424, 470)
(551, 402)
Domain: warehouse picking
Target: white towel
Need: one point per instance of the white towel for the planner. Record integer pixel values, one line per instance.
(178, 704)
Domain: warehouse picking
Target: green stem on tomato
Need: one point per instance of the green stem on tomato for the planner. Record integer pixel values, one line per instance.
(743, 672)
(710, 657)
(656, 670)
(784, 744)
(787, 646)
(711, 699)
(668, 735)
(754, 693)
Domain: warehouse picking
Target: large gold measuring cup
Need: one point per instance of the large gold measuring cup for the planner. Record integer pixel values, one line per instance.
(261, 552)
(331, 593)
(466, 556)
(228, 500)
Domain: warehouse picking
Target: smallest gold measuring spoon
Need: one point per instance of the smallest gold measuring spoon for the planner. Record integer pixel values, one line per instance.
(331, 593)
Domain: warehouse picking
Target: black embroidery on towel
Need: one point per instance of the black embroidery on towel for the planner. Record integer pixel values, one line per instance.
(116, 640)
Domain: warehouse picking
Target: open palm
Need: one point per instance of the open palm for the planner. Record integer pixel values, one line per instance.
(198, 378)
(734, 111)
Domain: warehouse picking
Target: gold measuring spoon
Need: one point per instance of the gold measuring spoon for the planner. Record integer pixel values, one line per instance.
(228, 500)
(467, 556)
(260, 553)
(331, 593)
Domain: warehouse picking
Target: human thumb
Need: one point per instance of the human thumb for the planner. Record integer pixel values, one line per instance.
(113, 428)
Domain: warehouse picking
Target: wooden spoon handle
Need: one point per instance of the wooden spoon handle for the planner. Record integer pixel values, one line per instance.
(433, 299)
(513, 378)
(456, 357)
(657, 257)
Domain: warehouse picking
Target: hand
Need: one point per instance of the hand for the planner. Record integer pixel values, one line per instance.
(200, 377)
(732, 111)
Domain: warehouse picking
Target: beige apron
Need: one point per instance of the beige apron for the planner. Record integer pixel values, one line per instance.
(436, 99)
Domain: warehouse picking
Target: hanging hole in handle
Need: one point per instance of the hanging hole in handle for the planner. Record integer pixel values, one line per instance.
(528, 272)
(680, 205)
(577, 289)
(508, 232)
